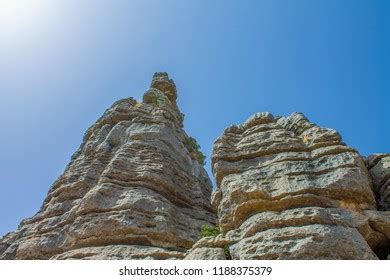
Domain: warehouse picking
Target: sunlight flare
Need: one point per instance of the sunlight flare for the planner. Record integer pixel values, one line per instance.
(19, 13)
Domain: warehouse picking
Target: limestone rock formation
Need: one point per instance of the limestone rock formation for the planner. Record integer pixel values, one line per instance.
(137, 189)
(379, 167)
(133, 190)
(289, 189)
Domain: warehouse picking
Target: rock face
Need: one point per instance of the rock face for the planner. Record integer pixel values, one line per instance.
(379, 167)
(289, 189)
(135, 189)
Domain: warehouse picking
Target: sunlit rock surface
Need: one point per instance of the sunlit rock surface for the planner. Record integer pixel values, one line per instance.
(136, 189)
(132, 191)
(289, 189)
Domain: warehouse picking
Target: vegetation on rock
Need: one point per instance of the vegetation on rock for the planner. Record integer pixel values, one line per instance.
(194, 149)
(207, 231)
(227, 252)
(181, 117)
(213, 231)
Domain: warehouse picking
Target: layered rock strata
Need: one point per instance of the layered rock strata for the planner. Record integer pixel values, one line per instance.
(135, 189)
(289, 189)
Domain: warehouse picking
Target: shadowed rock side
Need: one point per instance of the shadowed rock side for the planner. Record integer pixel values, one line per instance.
(132, 191)
(379, 167)
(288, 189)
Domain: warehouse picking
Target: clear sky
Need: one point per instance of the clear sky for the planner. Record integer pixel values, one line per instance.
(62, 63)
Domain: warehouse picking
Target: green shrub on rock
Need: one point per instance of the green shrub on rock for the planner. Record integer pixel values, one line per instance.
(181, 117)
(213, 231)
(226, 250)
(194, 149)
(210, 231)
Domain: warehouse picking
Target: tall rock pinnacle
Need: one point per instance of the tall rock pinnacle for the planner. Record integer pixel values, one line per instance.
(135, 189)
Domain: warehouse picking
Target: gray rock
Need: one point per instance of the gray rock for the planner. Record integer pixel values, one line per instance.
(289, 189)
(136, 189)
(379, 167)
(120, 252)
(206, 254)
(132, 190)
(313, 241)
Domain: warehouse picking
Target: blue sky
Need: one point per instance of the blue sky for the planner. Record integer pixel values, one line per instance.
(62, 63)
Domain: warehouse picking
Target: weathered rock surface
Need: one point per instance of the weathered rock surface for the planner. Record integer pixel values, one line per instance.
(206, 253)
(132, 190)
(289, 189)
(379, 167)
(120, 252)
(136, 189)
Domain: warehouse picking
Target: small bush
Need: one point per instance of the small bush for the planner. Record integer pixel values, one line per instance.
(194, 149)
(213, 231)
(181, 117)
(227, 252)
(210, 231)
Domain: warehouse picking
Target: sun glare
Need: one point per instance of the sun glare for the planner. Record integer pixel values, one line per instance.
(19, 13)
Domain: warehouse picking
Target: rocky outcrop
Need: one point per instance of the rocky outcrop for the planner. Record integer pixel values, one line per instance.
(135, 189)
(289, 189)
(379, 167)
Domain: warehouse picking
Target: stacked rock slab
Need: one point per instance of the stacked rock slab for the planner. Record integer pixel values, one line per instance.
(132, 190)
(289, 189)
